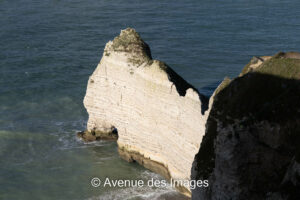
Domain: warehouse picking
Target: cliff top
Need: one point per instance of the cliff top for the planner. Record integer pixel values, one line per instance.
(272, 86)
(138, 53)
(129, 41)
(282, 64)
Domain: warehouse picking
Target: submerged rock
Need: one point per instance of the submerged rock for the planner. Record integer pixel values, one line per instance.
(103, 134)
(251, 148)
(158, 117)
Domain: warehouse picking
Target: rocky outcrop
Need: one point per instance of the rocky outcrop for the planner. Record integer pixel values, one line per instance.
(251, 148)
(156, 116)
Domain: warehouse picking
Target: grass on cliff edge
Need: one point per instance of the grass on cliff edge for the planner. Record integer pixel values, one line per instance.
(130, 41)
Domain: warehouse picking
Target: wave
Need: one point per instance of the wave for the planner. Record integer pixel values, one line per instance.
(143, 193)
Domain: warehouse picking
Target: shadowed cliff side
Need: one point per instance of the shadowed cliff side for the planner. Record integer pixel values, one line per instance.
(251, 147)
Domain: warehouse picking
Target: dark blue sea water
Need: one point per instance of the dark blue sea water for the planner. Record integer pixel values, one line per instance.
(49, 48)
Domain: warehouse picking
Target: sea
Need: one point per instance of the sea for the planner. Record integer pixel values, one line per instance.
(48, 50)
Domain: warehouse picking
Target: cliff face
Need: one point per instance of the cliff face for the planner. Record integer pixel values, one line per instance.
(251, 146)
(250, 149)
(155, 115)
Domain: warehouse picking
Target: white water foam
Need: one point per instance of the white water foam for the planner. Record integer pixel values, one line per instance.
(143, 193)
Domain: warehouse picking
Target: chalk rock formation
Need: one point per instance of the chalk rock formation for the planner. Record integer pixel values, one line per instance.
(251, 148)
(157, 116)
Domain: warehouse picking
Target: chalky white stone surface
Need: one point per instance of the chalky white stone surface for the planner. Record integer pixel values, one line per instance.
(145, 107)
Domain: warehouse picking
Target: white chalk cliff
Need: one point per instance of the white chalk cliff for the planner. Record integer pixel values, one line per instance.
(159, 117)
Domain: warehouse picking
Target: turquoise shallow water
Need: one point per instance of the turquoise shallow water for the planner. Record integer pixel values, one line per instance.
(49, 48)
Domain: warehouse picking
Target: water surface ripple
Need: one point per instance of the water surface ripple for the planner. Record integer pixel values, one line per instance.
(49, 48)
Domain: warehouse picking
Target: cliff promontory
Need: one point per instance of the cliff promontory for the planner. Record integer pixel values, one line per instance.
(156, 117)
(249, 136)
(251, 147)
